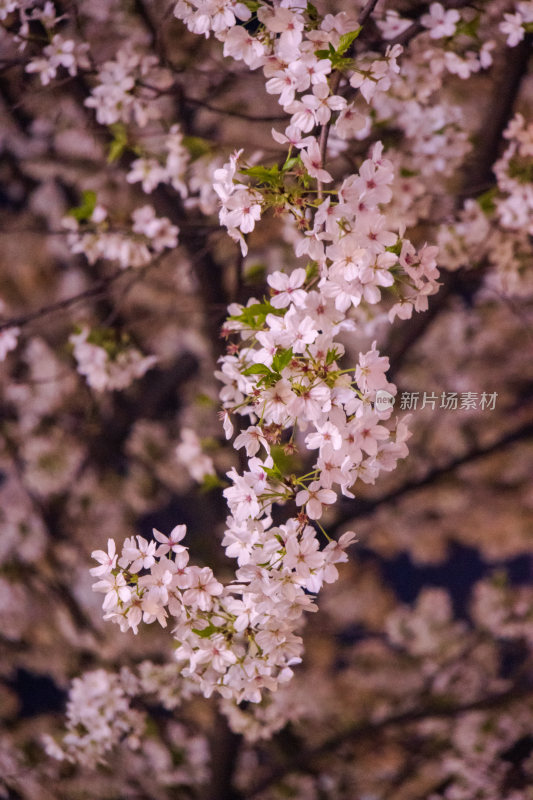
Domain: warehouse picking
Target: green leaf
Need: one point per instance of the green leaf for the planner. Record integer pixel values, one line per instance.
(290, 163)
(408, 173)
(255, 273)
(102, 336)
(269, 175)
(205, 633)
(311, 270)
(486, 200)
(119, 143)
(84, 211)
(346, 41)
(311, 12)
(273, 473)
(256, 369)
(211, 482)
(203, 399)
(209, 443)
(269, 380)
(115, 151)
(332, 356)
(282, 462)
(281, 359)
(469, 28)
(109, 340)
(521, 169)
(339, 62)
(254, 316)
(395, 248)
(196, 146)
(336, 56)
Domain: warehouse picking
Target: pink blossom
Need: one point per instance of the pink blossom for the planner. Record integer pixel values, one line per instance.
(314, 497)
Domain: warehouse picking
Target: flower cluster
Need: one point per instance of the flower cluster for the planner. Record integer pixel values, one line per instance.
(495, 229)
(150, 172)
(106, 364)
(189, 453)
(514, 173)
(149, 235)
(439, 22)
(119, 95)
(241, 207)
(236, 639)
(60, 52)
(299, 56)
(99, 716)
(514, 26)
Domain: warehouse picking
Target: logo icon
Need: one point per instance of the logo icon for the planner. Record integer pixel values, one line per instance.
(384, 400)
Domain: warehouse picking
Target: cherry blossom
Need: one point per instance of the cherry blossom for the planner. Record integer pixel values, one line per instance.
(439, 21)
(314, 498)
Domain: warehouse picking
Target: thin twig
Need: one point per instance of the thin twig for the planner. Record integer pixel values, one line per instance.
(324, 133)
(365, 509)
(367, 11)
(232, 113)
(99, 288)
(364, 16)
(176, 88)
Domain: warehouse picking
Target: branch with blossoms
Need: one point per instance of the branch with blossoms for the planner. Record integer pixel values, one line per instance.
(284, 373)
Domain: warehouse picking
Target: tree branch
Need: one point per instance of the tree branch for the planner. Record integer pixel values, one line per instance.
(99, 289)
(192, 101)
(364, 730)
(368, 507)
(367, 11)
(224, 752)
